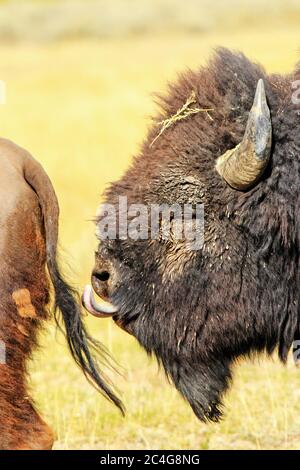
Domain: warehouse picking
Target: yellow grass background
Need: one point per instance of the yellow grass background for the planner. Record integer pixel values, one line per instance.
(82, 108)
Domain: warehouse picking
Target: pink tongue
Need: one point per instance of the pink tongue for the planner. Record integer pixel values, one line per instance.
(100, 309)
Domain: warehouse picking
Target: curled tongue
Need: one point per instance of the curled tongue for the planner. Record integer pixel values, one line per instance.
(99, 308)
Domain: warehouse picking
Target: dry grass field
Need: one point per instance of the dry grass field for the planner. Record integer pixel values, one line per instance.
(82, 108)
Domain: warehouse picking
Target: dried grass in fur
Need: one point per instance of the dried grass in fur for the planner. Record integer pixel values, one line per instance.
(183, 113)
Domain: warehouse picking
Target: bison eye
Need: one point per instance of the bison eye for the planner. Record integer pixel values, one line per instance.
(102, 276)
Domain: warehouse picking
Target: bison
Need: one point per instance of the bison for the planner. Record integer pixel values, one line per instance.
(28, 243)
(235, 148)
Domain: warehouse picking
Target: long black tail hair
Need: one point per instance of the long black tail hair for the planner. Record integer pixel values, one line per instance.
(67, 301)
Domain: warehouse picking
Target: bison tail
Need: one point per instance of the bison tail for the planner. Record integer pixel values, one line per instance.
(80, 342)
(67, 302)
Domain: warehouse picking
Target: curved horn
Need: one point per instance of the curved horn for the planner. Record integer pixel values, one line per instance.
(243, 166)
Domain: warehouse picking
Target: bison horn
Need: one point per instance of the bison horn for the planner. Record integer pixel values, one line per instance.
(244, 165)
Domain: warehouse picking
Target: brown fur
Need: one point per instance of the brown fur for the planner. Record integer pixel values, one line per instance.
(23, 258)
(28, 243)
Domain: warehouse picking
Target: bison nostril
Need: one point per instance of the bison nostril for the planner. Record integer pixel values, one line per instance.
(102, 276)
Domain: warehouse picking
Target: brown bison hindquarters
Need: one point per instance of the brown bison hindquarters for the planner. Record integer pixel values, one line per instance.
(24, 296)
(29, 216)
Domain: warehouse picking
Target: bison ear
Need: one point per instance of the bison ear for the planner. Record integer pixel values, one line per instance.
(244, 165)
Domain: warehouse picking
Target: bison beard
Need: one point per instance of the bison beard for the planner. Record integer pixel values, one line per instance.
(28, 242)
(198, 312)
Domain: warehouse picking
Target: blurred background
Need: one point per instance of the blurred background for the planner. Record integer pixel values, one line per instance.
(79, 78)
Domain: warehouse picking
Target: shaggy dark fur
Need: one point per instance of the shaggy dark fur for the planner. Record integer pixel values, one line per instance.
(28, 241)
(198, 312)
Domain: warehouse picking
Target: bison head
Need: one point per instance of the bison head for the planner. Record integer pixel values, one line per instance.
(198, 310)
